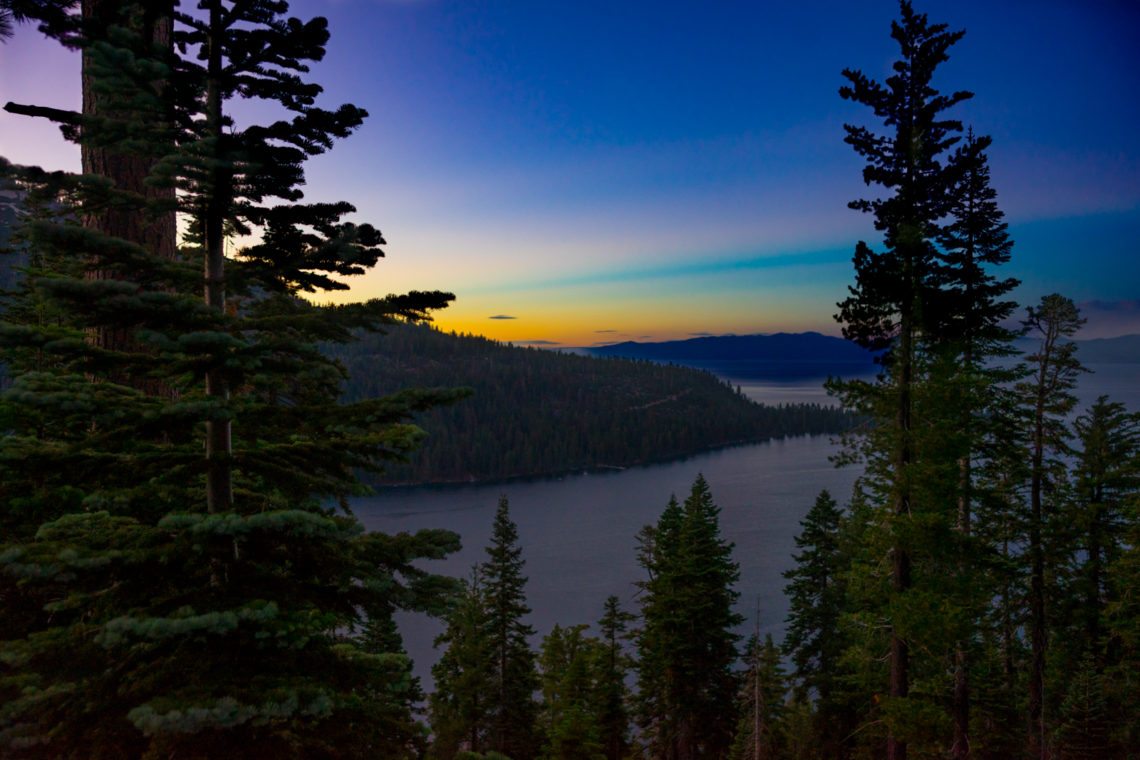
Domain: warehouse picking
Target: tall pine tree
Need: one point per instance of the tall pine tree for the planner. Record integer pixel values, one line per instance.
(155, 602)
(814, 640)
(512, 709)
(1046, 395)
(460, 704)
(687, 644)
(613, 694)
(928, 301)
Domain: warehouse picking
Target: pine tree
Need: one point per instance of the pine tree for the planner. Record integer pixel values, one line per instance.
(464, 680)
(815, 599)
(687, 645)
(145, 612)
(1084, 725)
(973, 336)
(1106, 476)
(1122, 618)
(570, 662)
(928, 302)
(814, 640)
(1047, 398)
(760, 731)
(514, 680)
(613, 694)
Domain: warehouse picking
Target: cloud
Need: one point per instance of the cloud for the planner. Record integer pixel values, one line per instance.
(502, 316)
(682, 270)
(535, 343)
(605, 331)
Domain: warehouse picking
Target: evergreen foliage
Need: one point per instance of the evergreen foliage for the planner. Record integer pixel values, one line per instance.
(570, 662)
(890, 307)
(1046, 398)
(1094, 524)
(687, 645)
(537, 412)
(156, 602)
(486, 680)
(514, 680)
(613, 694)
(460, 704)
(759, 731)
(928, 300)
(814, 639)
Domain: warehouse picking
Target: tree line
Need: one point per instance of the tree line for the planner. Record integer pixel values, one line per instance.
(496, 697)
(824, 691)
(985, 560)
(539, 412)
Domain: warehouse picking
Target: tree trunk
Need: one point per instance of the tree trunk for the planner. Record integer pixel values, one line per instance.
(1037, 629)
(900, 557)
(960, 750)
(128, 170)
(219, 446)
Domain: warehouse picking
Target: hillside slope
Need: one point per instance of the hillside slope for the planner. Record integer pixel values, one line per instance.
(537, 412)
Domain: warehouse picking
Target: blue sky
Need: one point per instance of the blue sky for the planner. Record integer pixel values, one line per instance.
(602, 171)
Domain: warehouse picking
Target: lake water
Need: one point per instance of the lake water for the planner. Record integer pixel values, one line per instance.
(578, 532)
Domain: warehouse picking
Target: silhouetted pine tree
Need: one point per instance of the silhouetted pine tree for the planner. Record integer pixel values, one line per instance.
(814, 640)
(1046, 399)
(759, 728)
(907, 302)
(511, 709)
(686, 647)
(1105, 477)
(966, 381)
(614, 665)
(569, 661)
(464, 682)
(156, 602)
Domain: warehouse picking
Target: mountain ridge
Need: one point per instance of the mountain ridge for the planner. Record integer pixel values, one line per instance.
(815, 347)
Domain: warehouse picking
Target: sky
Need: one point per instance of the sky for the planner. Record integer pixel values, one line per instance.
(587, 172)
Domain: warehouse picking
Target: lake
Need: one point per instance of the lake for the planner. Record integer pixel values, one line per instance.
(578, 532)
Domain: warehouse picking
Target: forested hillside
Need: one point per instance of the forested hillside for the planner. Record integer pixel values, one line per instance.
(540, 412)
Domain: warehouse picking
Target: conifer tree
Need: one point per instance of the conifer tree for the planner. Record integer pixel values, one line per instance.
(928, 302)
(815, 598)
(145, 616)
(814, 640)
(1106, 477)
(687, 644)
(1084, 725)
(973, 309)
(759, 732)
(464, 682)
(1047, 398)
(511, 710)
(613, 694)
(570, 662)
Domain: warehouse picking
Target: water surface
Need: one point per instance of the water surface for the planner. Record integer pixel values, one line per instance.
(578, 532)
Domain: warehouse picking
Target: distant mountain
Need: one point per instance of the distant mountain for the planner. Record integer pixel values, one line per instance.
(779, 356)
(813, 348)
(1122, 350)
